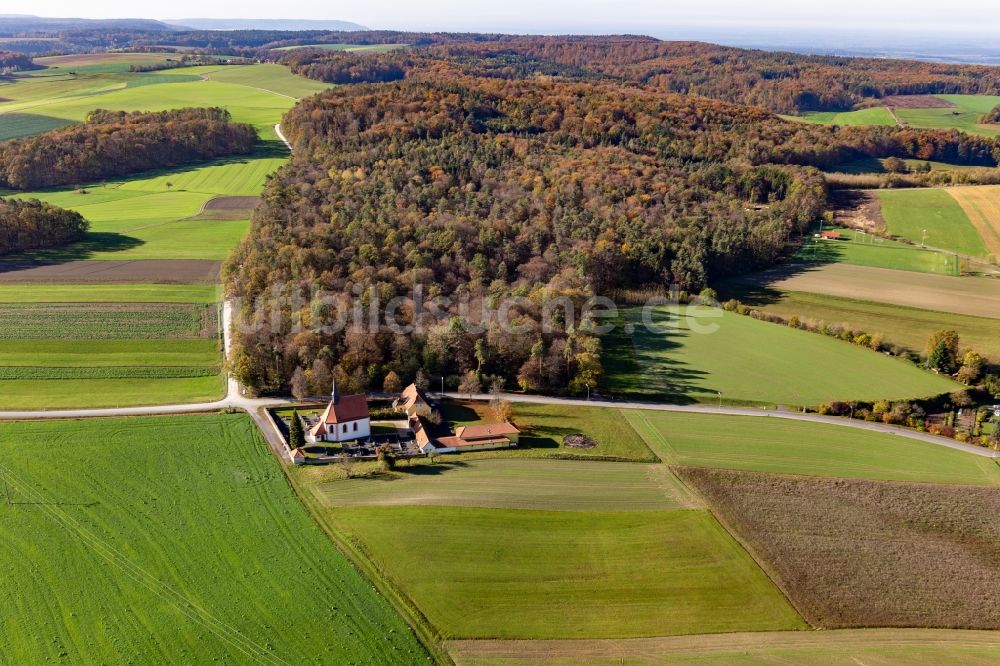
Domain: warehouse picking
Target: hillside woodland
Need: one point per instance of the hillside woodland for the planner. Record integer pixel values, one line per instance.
(780, 82)
(33, 225)
(116, 143)
(482, 181)
(11, 62)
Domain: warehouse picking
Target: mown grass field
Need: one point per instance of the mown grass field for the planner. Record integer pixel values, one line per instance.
(905, 326)
(982, 207)
(45, 394)
(697, 353)
(966, 115)
(543, 428)
(173, 539)
(63, 353)
(876, 115)
(271, 77)
(919, 647)
(109, 293)
(782, 446)
(910, 213)
(860, 249)
(868, 553)
(966, 295)
(512, 483)
(543, 574)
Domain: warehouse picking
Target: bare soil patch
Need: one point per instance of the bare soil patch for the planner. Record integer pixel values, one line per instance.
(916, 102)
(857, 209)
(976, 296)
(228, 208)
(161, 271)
(232, 203)
(853, 553)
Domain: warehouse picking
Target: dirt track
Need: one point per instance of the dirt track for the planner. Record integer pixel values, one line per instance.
(163, 271)
(976, 296)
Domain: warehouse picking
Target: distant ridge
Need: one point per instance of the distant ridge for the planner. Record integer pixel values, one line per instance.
(265, 24)
(16, 23)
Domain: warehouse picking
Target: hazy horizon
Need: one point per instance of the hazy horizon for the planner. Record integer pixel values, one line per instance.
(566, 16)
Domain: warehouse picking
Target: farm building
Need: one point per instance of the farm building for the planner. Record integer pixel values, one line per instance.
(472, 438)
(413, 401)
(345, 419)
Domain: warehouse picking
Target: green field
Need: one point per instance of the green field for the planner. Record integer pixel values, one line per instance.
(270, 77)
(870, 250)
(109, 353)
(764, 444)
(905, 326)
(695, 357)
(493, 573)
(16, 125)
(876, 115)
(910, 213)
(966, 115)
(174, 539)
(43, 394)
(543, 428)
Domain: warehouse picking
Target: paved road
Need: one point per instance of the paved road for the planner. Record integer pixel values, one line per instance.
(740, 411)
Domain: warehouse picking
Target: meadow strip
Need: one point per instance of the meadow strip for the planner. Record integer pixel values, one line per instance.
(106, 372)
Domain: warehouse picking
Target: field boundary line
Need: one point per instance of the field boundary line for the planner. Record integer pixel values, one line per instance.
(664, 476)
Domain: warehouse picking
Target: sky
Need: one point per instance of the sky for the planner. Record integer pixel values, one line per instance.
(654, 17)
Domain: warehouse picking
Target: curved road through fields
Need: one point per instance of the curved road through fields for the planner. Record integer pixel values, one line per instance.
(236, 400)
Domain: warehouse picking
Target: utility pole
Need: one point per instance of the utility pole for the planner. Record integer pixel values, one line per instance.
(442, 385)
(923, 240)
